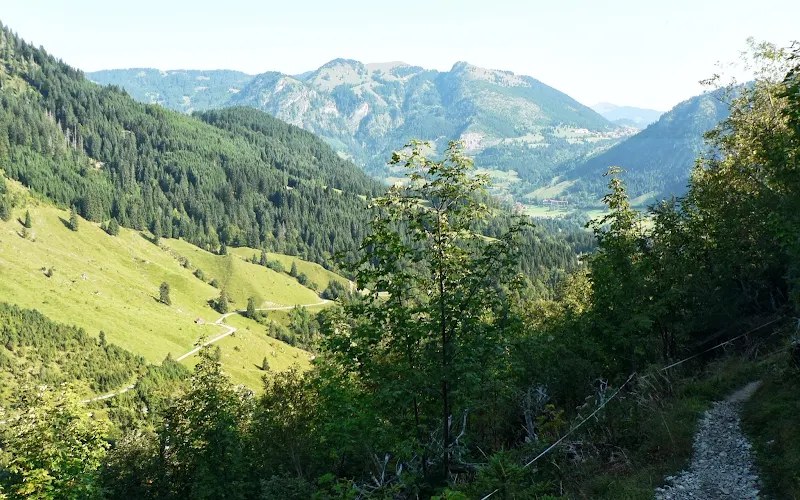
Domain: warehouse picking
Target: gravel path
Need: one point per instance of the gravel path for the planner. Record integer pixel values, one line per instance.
(721, 467)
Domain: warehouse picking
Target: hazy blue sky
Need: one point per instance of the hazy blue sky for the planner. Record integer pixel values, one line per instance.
(640, 52)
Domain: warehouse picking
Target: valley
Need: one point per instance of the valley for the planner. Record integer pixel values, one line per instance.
(379, 281)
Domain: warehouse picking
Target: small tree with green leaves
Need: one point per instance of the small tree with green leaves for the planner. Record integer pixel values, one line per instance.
(73, 219)
(54, 449)
(423, 348)
(293, 272)
(164, 294)
(264, 365)
(5, 209)
(27, 222)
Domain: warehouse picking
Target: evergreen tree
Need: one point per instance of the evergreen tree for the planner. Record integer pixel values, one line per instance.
(157, 232)
(222, 302)
(102, 338)
(73, 219)
(5, 209)
(164, 294)
(263, 260)
(293, 271)
(251, 308)
(113, 227)
(27, 222)
(264, 365)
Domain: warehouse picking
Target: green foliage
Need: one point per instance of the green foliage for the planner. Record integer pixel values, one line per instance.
(73, 219)
(113, 227)
(770, 419)
(37, 351)
(27, 222)
(336, 290)
(251, 308)
(445, 284)
(53, 450)
(219, 179)
(221, 304)
(163, 294)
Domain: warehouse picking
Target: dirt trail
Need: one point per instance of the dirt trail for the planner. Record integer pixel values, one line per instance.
(721, 466)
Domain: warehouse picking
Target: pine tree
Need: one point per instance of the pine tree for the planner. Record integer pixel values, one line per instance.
(157, 232)
(263, 258)
(164, 294)
(113, 227)
(251, 307)
(293, 271)
(27, 223)
(265, 365)
(102, 338)
(5, 210)
(73, 219)
(222, 302)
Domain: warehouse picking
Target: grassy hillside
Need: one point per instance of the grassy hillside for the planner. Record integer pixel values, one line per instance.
(316, 273)
(111, 283)
(243, 280)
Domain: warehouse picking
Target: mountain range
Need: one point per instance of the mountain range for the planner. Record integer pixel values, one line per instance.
(517, 127)
(534, 140)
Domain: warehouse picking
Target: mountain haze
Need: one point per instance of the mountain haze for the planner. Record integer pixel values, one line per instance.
(627, 115)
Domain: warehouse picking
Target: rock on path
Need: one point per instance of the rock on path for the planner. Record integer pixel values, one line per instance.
(721, 467)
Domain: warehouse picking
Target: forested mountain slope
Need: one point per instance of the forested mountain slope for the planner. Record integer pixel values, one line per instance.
(659, 158)
(512, 124)
(183, 91)
(96, 148)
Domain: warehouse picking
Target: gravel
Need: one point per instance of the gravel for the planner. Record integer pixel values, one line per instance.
(721, 465)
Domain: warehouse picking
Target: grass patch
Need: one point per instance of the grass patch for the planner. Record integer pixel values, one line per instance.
(315, 272)
(771, 420)
(242, 279)
(244, 351)
(100, 282)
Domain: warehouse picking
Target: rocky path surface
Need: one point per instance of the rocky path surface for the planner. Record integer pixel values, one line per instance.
(721, 467)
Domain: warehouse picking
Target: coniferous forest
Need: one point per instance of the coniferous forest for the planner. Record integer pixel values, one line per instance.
(477, 355)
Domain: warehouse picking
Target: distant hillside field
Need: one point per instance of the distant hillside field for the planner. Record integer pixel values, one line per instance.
(111, 284)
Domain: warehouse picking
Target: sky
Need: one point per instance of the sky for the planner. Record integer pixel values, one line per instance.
(641, 53)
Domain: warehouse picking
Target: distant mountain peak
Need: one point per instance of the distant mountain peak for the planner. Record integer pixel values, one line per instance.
(627, 115)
